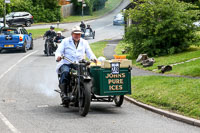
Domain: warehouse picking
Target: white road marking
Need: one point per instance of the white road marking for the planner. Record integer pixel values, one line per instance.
(2, 117)
(10, 126)
(9, 69)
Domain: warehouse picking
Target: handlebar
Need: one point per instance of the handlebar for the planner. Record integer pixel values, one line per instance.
(81, 61)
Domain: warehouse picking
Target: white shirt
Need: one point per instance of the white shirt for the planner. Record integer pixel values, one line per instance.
(68, 49)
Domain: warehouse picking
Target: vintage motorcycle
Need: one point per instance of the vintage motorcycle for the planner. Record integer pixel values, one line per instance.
(106, 83)
(51, 46)
(80, 86)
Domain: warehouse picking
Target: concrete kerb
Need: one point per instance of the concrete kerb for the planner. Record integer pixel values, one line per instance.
(174, 116)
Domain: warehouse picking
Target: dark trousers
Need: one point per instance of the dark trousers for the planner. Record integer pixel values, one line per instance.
(64, 70)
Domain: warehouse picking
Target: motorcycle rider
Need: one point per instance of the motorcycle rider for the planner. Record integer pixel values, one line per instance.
(50, 33)
(88, 27)
(74, 48)
(59, 37)
(82, 25)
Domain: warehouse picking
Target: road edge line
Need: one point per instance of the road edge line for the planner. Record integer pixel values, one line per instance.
(10, 126)
(168, 114)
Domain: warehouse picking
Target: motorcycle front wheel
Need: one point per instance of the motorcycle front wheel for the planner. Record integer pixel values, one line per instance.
(84, 99)
(48, 49)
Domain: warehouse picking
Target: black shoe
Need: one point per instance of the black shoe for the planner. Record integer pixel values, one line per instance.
(45, 52)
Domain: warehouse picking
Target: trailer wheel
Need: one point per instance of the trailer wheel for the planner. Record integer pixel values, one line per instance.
(119, 100)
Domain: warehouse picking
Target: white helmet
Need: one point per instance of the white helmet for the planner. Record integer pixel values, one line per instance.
(59, 32)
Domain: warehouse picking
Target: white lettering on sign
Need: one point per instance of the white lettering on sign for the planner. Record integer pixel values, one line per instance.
(115, 67)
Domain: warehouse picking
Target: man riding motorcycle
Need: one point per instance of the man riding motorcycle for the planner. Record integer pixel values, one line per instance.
(82, 25)
(74, 48)
(88, 27)
(51, 34)
(59, 37)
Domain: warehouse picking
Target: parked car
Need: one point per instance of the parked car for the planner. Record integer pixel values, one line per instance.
(15, 38)
(2, 25)
(19, 19)
(118, 19)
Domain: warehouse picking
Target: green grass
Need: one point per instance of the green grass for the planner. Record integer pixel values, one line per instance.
(187, 69)
(98, 48)
(110, 5)
(36, 33)
(180, 95)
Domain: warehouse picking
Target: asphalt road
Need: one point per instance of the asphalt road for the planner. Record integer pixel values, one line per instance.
(28, 103)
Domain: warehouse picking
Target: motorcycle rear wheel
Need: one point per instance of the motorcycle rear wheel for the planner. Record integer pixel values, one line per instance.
(84, 99)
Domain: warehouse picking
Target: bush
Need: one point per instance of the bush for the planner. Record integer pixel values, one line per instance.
(163, 27)
(91, 5)
(43, 11)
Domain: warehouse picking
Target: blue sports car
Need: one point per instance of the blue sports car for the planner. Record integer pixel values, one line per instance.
(15, 38)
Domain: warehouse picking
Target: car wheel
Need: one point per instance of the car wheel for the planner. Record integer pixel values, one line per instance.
(28, 23)
(31, 47)
(24, 49)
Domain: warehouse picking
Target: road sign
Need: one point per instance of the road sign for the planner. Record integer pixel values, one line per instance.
(7, 1)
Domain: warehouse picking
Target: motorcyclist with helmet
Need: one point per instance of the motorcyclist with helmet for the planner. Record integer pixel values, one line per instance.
(51, 34)
(74, 48)
(82, 25)
(88, 27)
(59, 37)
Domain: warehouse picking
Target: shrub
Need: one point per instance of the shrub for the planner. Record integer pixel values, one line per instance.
(163, 27)
(43, 11)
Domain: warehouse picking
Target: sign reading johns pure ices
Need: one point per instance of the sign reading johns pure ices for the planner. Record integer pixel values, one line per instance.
(115, 81)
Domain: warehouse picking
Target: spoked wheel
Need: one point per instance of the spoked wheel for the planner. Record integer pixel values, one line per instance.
(93, 34)
(84, 99)
(119, 100)
(48, 49)
(28, 23)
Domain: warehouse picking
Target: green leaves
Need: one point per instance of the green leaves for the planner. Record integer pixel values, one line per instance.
(43, 11)
(164, 27)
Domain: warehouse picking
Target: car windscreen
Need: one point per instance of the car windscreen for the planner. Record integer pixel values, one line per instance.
(9, 31)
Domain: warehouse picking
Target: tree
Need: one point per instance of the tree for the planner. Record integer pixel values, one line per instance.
(163, 27)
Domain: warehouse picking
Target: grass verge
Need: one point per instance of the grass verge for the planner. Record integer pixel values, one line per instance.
(98, 48)
(179, 95)
(186, 69)
(36, 33)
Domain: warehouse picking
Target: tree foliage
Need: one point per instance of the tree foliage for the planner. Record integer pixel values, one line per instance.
(42, 10)
(162, 27)
(91, 5)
